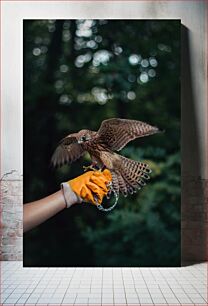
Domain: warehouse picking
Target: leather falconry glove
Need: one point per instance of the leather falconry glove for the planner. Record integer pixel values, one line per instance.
(88, 187)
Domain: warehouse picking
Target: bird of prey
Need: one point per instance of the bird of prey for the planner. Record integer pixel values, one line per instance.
(113, 135)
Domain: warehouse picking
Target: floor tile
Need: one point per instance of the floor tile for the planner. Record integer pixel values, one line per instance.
(119, 286)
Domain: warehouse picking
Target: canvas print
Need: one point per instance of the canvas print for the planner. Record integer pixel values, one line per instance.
(101, 143)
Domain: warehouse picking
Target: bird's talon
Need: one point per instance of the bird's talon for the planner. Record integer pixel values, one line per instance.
(109, 184)
(87, 168)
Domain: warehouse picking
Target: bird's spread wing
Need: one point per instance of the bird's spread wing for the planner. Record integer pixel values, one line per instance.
(116, 133)
(67, 151)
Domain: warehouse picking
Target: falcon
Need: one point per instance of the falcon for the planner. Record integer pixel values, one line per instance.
(113, 135)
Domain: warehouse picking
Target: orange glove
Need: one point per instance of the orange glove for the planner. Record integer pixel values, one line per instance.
(86, 187)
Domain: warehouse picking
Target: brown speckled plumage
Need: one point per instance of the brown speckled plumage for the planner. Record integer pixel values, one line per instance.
(127, 175)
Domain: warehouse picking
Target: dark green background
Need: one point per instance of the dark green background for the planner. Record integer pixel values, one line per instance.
(76, 74)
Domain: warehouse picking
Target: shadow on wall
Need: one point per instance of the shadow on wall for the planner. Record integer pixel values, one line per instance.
(193, 232)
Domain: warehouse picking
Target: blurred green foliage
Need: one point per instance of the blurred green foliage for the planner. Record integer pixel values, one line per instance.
(76, 74)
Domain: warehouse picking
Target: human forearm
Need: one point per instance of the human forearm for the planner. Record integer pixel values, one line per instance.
(39, 211)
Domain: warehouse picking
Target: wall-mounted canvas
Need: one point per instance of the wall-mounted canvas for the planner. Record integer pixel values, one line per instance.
(78, 73)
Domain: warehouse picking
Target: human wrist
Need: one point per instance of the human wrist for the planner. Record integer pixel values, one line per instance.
(69, 195)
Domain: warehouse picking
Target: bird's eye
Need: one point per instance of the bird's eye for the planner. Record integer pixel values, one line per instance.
(83, 138)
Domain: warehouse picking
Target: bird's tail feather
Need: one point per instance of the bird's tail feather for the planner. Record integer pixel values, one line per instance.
(132, 175)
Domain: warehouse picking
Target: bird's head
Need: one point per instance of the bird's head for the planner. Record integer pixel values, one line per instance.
(85, 135)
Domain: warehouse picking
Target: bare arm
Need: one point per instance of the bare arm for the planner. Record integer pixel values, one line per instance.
(37, 212)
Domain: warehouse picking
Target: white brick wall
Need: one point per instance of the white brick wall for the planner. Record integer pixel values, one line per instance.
(11, 217)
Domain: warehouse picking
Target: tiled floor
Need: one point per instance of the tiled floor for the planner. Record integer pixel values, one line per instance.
(103, 286)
